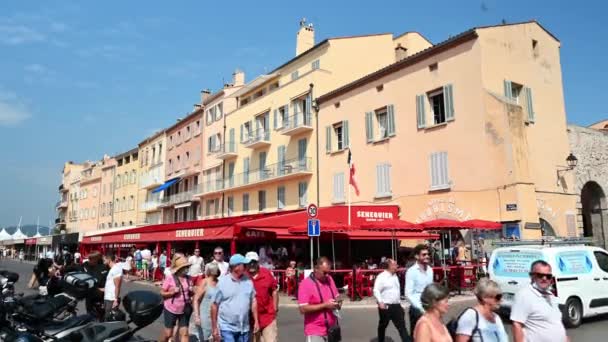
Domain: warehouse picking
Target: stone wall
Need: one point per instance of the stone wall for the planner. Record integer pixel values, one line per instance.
(590, 146)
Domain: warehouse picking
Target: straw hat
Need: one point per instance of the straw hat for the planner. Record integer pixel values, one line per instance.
(178, 263)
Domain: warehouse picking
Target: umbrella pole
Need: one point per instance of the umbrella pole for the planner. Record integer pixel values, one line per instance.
(319, 246)
(333, 251)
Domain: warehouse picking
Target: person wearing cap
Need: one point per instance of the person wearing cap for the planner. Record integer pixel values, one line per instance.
(267, 298)
(176, 291)
(234, 299)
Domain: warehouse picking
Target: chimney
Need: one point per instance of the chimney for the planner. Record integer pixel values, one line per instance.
(400, 52)
(305, 38)
(205, 93)
(238, 78)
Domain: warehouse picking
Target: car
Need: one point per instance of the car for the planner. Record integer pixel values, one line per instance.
(580, 274)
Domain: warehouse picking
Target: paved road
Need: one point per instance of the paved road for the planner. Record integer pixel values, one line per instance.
(358, 323)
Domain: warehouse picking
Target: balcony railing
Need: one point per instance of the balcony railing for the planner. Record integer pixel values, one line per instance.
(295, 124)
(183, 196)
(150, 205)
(212, 186)
(61, 204)
(258, 138)
(227, 150)
(280, 170)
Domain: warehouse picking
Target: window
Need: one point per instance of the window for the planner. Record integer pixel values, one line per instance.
(383, 180)
(230, 205)
(125, 205)
(208, 205)
(219, 111)
(522, 96)
(131, 203)
(93, 213)
(261, 200)
(382, 119)
(125, 179)
(281, 197)
(188, 132)
(602, 260)
(197, 129)
(273, 86)
(438, 107)
(439, 171)
(303, 194)
(338, 196)
(187, 160)
(133, 176)
(95, 192)
(535, 47)
(245, 203)
(295, 75)
(170, 168)
(245, 101)
(246, 131)
(160, 152)
(179, 137)
(316, 65)
(178, 164)
(338, 131)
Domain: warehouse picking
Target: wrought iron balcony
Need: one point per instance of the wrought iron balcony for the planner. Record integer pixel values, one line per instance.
(227, 151)
(295, 124)
(184, 196)
(270, 173)
(256, 139)
(150, 205)
(61, 204)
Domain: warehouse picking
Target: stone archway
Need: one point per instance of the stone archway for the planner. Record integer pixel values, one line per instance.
(546, 228)
(593, 201)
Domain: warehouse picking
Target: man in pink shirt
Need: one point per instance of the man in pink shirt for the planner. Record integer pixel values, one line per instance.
(318, 310)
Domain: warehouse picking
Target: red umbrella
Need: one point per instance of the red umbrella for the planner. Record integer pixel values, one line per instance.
(441, 224)
(392, 225)
(483, 224)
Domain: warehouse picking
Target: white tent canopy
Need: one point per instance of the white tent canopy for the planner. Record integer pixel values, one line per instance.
(4, 235)
(37, 235)
(18, 235)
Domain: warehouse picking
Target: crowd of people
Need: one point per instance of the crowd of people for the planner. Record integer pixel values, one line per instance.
(238, 300)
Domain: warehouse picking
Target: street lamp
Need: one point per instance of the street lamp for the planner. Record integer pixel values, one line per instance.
(571, 161)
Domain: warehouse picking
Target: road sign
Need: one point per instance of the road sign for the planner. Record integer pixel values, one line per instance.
(312, 210)
(314, 227)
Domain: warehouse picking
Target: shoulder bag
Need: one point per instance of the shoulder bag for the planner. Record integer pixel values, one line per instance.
(334, 333)
(187, 302)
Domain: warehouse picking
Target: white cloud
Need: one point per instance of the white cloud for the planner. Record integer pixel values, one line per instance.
(56, 26)
(16, 34)
(36, 68)
(12, 114)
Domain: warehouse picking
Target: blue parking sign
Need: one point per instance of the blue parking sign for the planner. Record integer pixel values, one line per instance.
(314, 227)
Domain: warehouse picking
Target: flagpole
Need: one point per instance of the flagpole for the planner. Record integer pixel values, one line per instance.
(349, 185)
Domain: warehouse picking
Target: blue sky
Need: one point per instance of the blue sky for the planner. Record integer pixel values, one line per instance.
(79, 79)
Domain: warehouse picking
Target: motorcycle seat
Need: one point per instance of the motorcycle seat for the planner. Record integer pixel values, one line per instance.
(108, 331)
(55, 327)
(44, 308)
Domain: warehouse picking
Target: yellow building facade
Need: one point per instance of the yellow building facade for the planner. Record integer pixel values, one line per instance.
(67, 206)
(473, 127)
(273, 126)
(126, 189)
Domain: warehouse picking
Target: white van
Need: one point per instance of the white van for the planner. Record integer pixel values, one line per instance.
(580, 273)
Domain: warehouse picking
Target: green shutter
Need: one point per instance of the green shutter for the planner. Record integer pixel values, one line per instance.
(345, 134)
(275, 119)
(508, 89)
(420, 112)
(448, 101)
(241, 133)
(390, 111)
(369, 127)
(230, 142)
(328, 139)
(529, 104)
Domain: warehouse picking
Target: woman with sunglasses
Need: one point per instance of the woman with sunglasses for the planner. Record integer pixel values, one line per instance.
(481, 323)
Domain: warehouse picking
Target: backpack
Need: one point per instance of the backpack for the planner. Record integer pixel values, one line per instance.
(453, 325)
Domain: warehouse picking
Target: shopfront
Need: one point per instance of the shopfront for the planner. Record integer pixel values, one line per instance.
(65, 240)
(43, 245)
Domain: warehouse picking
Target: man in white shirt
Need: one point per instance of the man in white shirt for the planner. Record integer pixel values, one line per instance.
(417, 277)
(535, 312)
(387, 292)
(196, 266)
(113, 283)
(77, 257)
(218, 259)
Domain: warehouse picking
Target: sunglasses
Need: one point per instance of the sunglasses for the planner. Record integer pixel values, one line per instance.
(546, 276)
(218, 253)
(498, 297)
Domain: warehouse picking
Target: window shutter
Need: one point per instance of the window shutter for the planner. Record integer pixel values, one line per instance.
(241, 133)
(303, 187)
(281, 154)
(231, 174)
(345, 134)
(230, 141)
(275, 119)
(369, 127)
(246, 170)
(387, 179)
(433, 163)
(339, 187)
(308, 105)
(448, 101)
(508, 89)
(328, 139)
(286, 116)
(420, 113)
(267, 123)
(445, 180)
(529, 104)
(390, 111)
(281, 197)
(379, 180)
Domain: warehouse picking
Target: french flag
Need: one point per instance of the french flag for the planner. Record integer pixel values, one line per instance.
(351, 179)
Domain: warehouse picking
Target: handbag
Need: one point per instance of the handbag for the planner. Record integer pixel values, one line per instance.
(187, 303)
(334, 333)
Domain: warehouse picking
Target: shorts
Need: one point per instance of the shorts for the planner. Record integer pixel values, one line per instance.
(145, 265)
(138, 265)
(170, 319)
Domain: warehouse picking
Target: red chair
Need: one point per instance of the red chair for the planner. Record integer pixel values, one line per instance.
(365, 289)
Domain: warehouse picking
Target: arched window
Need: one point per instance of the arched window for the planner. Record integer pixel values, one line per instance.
(546, 228)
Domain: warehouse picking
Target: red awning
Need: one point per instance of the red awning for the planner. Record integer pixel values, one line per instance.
(483, 224)
(383, 235)
(442, 224)
(392, 225)
(327, 227)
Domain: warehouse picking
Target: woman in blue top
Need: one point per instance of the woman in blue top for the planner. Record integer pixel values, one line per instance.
(205, 291)
(481, 323)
